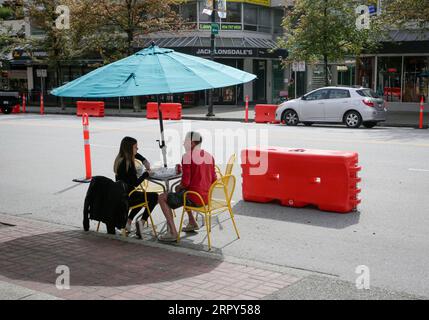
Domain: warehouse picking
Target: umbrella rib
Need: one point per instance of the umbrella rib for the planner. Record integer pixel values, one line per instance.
(193, 72)
(162, 69)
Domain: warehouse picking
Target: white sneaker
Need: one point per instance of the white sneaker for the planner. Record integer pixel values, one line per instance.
(190, 228)
(167, 237)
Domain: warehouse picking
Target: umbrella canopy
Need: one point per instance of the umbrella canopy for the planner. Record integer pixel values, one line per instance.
(153, 71)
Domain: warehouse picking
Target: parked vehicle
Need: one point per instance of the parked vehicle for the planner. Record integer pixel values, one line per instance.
(351, 106)
(8, 100)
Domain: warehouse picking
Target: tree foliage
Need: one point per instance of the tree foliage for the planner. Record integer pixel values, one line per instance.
(117, 25)
(406, 13)
(325, 30)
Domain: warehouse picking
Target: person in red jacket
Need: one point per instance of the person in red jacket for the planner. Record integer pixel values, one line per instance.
(198, 174)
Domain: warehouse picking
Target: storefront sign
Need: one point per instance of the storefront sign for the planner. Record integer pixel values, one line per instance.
(266, 3)
(235, 52)
(223, 26)
(225, 52)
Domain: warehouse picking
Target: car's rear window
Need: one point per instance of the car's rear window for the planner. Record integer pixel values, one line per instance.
(368, 93)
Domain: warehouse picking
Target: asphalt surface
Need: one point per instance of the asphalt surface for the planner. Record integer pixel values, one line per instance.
(389, 233)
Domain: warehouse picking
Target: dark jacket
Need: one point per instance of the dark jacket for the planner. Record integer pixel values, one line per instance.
(106, 201)
(130, 176)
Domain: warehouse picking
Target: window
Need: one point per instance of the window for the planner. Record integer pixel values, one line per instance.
(339, 94)
(233, 12)
(389, 77)
(203, 17)
(318, 95)
(264, 19)
(367, 93)
(278, 19)
(250, 17)
(416, 78)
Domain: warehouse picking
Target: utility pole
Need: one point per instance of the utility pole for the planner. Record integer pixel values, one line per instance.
(212, 55)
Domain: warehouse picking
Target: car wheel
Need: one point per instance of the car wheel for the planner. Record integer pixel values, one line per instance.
(353, 119)
(308, 124)
(369, 124)
(7, 110)
(290, 118)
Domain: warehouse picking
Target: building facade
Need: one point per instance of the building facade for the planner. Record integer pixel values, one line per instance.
(246, 40)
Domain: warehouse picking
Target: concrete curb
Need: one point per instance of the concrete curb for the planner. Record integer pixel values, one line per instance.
(202, 118)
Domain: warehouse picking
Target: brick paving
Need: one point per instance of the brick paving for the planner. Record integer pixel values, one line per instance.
(109, 268)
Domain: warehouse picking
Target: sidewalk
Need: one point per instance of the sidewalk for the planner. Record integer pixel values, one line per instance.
(108, 267)
(237, 113)
(111, 267)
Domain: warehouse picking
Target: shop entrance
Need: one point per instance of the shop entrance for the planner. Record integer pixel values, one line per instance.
(259, 84)
(232, 95)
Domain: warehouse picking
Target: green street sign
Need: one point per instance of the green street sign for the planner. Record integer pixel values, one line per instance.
(215, 28)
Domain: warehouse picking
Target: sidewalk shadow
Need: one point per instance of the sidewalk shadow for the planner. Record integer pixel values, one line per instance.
(308, 215)
(96, 261)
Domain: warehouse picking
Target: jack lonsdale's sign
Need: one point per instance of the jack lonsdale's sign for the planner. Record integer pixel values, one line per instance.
(226, 52)
(236, 52)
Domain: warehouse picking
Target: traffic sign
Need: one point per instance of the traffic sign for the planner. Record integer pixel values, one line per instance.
(42, 73)
(298, 66)
(215, 28)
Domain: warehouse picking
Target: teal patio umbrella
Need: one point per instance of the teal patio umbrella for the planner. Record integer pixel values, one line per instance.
(153, 71)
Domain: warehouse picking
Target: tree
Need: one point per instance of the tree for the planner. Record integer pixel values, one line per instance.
(128, 19)
(9, 38)
(325, 30)
(118, 24)
(405, 13)
(56, 41)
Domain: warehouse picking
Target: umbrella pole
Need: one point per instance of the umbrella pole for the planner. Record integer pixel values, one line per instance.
(161, 126)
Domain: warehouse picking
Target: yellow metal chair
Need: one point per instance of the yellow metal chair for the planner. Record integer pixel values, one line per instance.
(145, 204)
(228, 169)
(152, 187)
(219, 201)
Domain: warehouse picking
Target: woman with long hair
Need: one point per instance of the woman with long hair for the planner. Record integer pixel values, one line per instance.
(125, 170)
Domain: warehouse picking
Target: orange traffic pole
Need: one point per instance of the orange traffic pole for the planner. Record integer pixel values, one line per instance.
(42, 104)
(85, 123)
(87, 148)
(247, 109)
(23, 102)
(421, 114)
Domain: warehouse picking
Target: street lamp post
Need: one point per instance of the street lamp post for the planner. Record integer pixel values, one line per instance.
(212, 55)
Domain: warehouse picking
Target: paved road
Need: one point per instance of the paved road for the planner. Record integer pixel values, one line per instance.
(41, 156)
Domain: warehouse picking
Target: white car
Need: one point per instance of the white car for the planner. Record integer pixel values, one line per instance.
(351, 106)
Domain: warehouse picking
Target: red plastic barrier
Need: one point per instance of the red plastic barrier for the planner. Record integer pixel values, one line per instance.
(92, 108)
(392, 91)
(301, 177)
(152, 110)
(265, 113)
(171, 111)
(16, 109)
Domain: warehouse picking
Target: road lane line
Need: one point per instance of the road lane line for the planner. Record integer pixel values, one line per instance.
(419, 170)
